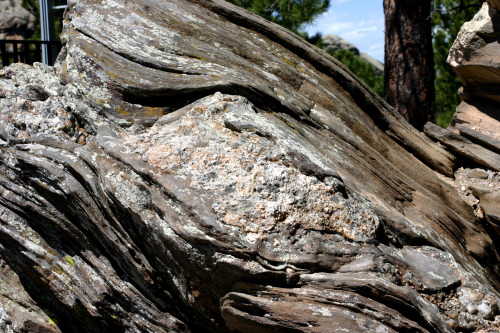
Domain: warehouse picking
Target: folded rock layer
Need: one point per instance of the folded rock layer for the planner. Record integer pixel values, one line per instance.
(190, 167)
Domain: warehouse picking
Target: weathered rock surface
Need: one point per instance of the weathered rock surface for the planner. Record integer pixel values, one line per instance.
(474, 133)
(464, 147)
(474, 57)
(189, 167)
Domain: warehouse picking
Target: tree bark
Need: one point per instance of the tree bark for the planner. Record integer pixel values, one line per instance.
(409, 63)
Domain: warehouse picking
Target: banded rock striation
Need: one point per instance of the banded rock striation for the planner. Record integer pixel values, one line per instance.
(474, 57)
(190, 167)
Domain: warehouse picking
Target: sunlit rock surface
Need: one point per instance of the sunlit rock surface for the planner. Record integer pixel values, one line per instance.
(475, 58)
(474, 133)
(189, 167)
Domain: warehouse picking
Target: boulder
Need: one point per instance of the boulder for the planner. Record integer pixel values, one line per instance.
(474, 132)
(478, 116)
(464, 147)
(379, 66)
(15, 21)
(335, 43)
(473, 53)
(167, 175)
(474, 57)
(490, 203)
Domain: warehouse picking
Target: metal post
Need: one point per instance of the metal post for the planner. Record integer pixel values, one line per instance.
(48, 34)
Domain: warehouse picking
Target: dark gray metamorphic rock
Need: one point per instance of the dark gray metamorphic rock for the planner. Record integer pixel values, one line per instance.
(187, 166)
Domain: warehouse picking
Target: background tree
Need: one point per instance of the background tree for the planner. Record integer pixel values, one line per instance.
(447, 19)
(416, 90)
(362, 69)
(409, 65)
(292, 14)
(295, 15)
(33, 6)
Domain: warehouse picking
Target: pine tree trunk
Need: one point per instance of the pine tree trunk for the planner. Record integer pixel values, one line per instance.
(409, 63)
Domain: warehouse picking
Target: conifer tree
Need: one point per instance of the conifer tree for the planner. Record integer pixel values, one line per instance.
(361, 69)
(292, 14)
(409, 64)
(447, 18)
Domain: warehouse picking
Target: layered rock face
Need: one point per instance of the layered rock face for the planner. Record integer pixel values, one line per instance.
(475, 58)
(190, 167)
(474, 133)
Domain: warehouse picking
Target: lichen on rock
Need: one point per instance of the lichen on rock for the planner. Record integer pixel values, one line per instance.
(199, 181)
(253, 180)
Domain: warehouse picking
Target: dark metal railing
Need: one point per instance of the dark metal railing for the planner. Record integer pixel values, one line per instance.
(27, 51)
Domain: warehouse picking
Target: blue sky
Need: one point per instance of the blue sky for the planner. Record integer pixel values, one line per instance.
(361, 22)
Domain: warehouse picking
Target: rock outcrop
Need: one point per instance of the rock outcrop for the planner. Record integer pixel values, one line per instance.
(379, 66)
(190, 167)
(335, 43)
(474, 132)
(15, 21)
(474, 57)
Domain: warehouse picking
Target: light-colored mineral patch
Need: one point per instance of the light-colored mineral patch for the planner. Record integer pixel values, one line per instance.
(255, 186)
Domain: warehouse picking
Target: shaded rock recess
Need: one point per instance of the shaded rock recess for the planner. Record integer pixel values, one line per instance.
(190, 167)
